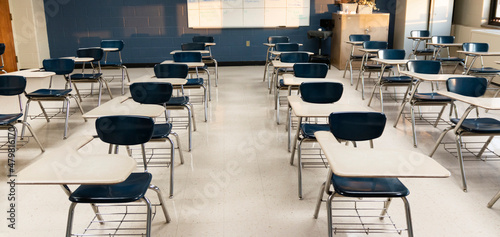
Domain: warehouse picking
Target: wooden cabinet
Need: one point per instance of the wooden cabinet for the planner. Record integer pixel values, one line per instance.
(376, 25)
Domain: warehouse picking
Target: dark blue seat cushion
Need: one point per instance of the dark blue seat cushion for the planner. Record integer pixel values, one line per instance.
(161, 130)
(130, 190)
(194, 82)
(485, 70)
(181, 100)
(308, 130)
(48, 93)
(430, 97)
(80, 76)
(369, 187)
(479, 125)
(376, 66)
(9, 118)
(425, 51)
(396, 79)
(282, 83)
(450, 59)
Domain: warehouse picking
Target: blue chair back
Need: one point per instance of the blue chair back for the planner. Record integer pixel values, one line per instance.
(124, 130)
(60, 66)
(112, 44)
(391, 54)
(357, 126)
(298, 57)
(467, 86)
(187, 57)
(287, 47)
(475, 47)
(203, 39)
(12, 85)
(375, 45)
(310, 70)
(446, 39)
(424, 66)
(420, 33)
(278, 39)
(171, 70)
(359, 37)
(2, 48)
(193, 46)
(321, 92)
(95, 53)
(151, 92)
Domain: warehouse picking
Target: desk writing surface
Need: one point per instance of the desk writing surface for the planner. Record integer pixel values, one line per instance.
(355, 42)
(272, 45)
(210, 44)
(190, 64)
(79, 59)
(377, 163)
(279, 64)
(109, 49)
(31, 74)
(277, 53)
(480, 53)
(431, 77)
(445, 44)
(369, 50)
(390, 61)
(291, 80)
(482, 102)
(305, 109)
(71, 167)
(124, 105)
(419, 37)
(193, 51)
(147, 78)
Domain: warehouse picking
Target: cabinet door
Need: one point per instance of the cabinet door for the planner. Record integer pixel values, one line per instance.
(6, 37)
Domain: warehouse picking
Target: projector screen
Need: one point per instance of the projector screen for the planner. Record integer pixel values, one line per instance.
(247, 13)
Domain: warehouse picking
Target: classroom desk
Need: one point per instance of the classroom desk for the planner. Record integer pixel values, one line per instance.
(266, 65)
(34, 74)
(384, 63)
(422, 77)
(124, 105)
(353, 162)
(79, 59)
(353, 44)
(109, 49)
(303, 109)
(440, 46)
(417, 40)
(366, 54)
(290, 81)
(195, 65)
(474, 102)
(277, 65)
(476, 55)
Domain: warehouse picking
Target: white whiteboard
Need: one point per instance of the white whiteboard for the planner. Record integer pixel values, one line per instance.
(247, 13)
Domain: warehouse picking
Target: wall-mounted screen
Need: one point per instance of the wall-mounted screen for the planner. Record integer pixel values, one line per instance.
(247, 13)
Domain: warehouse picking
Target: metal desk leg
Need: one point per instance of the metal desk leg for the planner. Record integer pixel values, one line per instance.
(295, 141)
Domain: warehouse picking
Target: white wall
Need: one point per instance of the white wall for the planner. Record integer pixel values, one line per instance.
(30, 32)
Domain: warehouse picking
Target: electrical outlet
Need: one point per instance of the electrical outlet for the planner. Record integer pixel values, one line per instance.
(248, 43)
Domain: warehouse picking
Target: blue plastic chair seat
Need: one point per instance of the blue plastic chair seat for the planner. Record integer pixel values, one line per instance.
(425, 51)
(282, 83)
(161, 130)
(181, 100)
(48, 93)
(485, 70)
(81, 76)
(430, 97)
(308, 130)
(450, 59)
(479, 125)
(369, 187)
(9, 118)
(397, 79)
(194, 82)
(376, 66)
(130, 190)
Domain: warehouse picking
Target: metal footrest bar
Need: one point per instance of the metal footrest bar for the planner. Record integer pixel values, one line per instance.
(362, 219)
(155, 157)
(53, 113)
(310, 159)
(426, 118)
(119, 220)
(470, 151)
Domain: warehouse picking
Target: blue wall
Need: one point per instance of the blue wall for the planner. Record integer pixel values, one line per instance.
(153, 28)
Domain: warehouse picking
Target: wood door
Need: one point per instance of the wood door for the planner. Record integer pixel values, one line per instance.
(7, 37)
